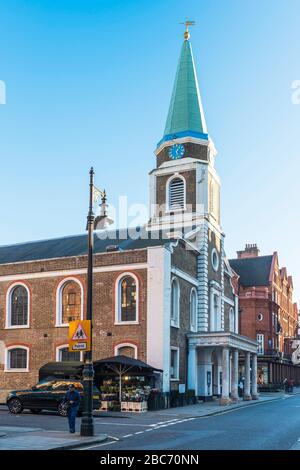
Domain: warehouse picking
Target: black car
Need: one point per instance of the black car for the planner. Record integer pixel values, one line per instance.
(47, 395)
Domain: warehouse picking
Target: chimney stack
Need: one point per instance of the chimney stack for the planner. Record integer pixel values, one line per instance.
(250, 251)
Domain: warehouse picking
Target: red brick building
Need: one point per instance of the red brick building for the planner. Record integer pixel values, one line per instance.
(43, 287)
(267, 312)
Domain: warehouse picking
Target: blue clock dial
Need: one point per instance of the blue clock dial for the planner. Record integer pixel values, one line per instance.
(176, 151)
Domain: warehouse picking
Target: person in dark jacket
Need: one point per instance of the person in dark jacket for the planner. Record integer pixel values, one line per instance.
(72, 400)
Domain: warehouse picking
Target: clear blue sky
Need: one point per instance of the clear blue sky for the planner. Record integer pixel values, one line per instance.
(89, 82)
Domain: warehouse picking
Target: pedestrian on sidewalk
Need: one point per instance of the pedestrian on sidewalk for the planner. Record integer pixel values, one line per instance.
(285, 385)
(291, 385)
(72, 401)
(241, 386)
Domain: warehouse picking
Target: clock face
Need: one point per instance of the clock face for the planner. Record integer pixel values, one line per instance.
(176, 151)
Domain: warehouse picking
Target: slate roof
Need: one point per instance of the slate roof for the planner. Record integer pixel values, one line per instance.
(253, 271)
(75, 245)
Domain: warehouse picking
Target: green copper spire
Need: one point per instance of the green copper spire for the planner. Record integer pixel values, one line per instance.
(185, 116)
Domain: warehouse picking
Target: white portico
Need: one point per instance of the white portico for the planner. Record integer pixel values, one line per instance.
(213, 361)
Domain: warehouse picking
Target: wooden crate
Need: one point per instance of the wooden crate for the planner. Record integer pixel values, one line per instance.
(106, 405)
(137, 407)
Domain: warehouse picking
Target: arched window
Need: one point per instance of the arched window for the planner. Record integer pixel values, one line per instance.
(18, 307)
(16, 359)
(64, 355)
(69, 302)
(231, 320)
(126, 349)
(127, 299)
(175, 303)
(193, 310)
(176, 194)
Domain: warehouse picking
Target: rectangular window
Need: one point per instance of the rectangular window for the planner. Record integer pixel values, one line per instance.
(174, 364)
(260, 340)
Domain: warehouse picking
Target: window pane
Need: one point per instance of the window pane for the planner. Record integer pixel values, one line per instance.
(19, 306)
(17, 358)
(175, 302)
(174, 364)
(71, 302)
(128, 299)
(193, 314)
(66, 355)
(260, 340)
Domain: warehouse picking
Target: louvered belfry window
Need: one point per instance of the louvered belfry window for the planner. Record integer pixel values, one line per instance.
(176, 194)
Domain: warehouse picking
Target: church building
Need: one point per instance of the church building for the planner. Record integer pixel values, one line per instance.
(167, 296)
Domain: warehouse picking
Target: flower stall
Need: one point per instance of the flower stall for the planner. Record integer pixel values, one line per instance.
(125, 383)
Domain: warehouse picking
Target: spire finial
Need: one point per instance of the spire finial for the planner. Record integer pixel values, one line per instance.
(187, 23)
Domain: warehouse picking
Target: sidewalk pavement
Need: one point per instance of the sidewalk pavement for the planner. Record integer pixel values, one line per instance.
(20, 438)
(208, 408)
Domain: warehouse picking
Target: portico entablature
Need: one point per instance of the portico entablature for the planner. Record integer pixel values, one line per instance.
(224, 340)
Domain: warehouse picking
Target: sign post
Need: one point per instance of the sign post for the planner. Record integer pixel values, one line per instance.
(87, 421)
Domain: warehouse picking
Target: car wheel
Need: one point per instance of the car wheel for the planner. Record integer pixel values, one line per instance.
(35, 412)
(15, 406)
(62, 409)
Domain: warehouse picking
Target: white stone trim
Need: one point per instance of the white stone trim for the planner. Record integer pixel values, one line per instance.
(224, 339)
(118, 298)
(222, 282)
(183, 140)
(158, 311)
(6, 358)
(216, 265)
(228, 301)
(202, 268)
(64, 346)
(175, 324)
(186, 277)
(170, 167)
(73, 272)
(8, 325)
(215, 321)
(169, 181)
(122, 345)
(58, 315)
(193, 327)
(177, 378)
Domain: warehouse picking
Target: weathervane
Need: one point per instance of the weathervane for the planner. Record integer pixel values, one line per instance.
(187, 23)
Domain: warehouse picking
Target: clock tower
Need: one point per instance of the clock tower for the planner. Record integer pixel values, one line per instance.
(185, 188)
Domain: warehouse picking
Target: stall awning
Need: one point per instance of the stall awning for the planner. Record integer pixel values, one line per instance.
(134, 365)
(74, 369)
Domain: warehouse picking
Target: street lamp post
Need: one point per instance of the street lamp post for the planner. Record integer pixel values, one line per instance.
(87, 422)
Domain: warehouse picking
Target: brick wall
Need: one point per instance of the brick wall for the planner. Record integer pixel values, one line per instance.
(196, 151)
(190, 179)
(43, 337)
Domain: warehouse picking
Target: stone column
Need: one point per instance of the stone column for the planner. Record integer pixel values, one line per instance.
(247, 395)
(192, 368)
(235, 376)
(254, 393)
(225, 400)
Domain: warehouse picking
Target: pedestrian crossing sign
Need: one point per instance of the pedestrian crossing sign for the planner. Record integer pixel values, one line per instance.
(80, 335)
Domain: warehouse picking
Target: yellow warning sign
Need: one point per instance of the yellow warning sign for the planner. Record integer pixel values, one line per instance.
(80, 335)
